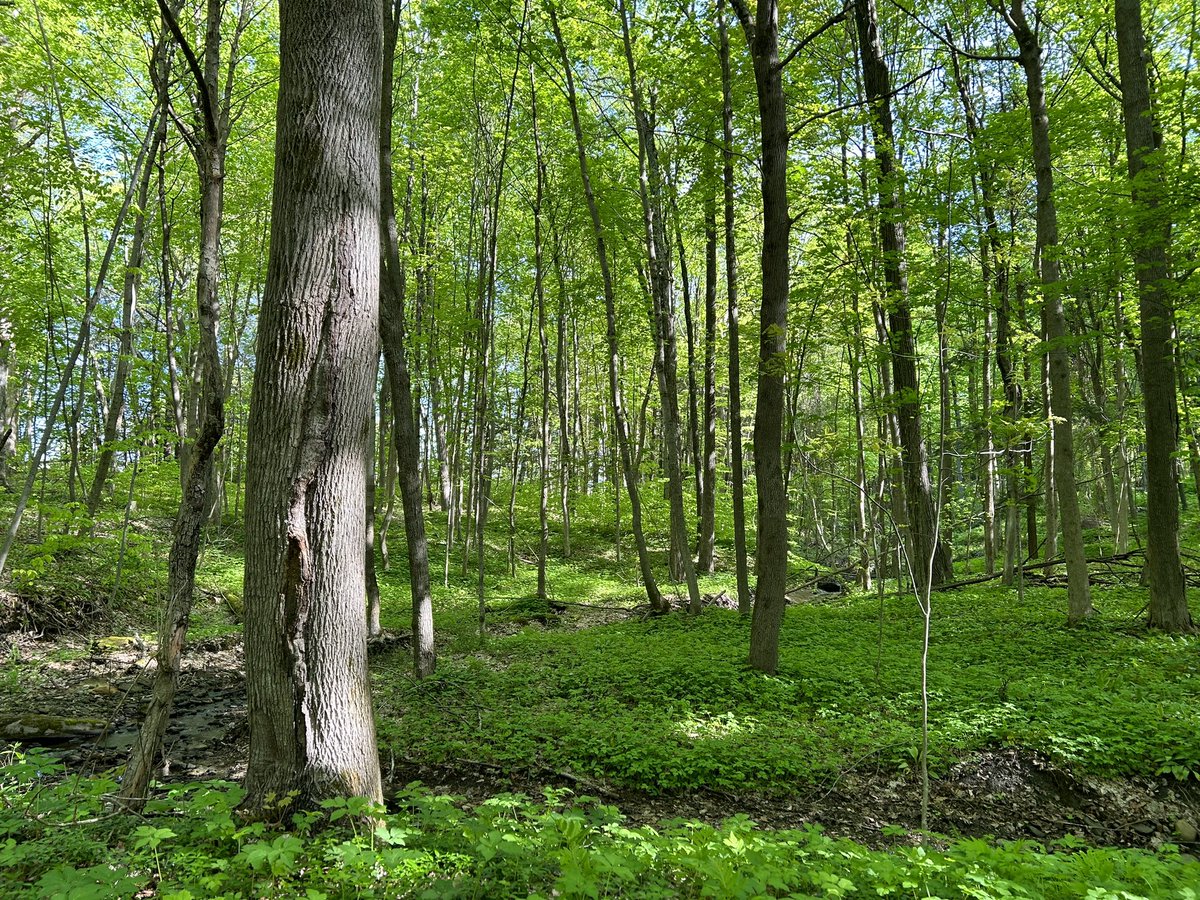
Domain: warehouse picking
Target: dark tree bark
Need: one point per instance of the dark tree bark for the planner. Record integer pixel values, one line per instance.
(931, 557)
(708, 463)
(209, 150)
(312, 728)
(762, 38)
(1150, 237)
(393, 288)
(1079, 599)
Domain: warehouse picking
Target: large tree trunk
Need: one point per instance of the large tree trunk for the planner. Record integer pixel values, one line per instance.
(1150, 236)
(312, 728)
(1079, 599)
(731, 287)
(930, 555)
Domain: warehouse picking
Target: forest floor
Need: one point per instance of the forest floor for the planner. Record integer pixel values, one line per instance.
(583, 739)
(1012, 784)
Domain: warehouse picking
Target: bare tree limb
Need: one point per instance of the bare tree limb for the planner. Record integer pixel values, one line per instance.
(837, 17)
(206, 102)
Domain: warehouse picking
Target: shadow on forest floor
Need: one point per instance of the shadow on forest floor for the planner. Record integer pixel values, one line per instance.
(1004, 794)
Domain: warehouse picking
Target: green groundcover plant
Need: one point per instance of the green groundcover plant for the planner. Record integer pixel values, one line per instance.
(60, 838)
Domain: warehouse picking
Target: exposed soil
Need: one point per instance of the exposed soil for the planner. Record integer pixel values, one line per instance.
(1003, 794)
(109, 679)
(1006, 794)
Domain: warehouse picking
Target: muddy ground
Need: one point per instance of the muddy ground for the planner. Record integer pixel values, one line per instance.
(1003, 793)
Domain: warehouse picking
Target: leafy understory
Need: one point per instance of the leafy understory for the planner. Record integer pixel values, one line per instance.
(191, 843)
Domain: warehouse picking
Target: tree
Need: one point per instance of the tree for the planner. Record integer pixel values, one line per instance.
(1079, 600)
(208, 147)
(657, 602)
(928, 555)
(1150, 235)
(312, 728)
(762, 39)
(658, 258)
(731, 288)
(393, 283)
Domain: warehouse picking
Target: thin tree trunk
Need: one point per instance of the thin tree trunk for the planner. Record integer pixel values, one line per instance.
(662, 294)
(92, 294)
(374, 627)
(913, 455)
(189, 525)
(708, 483)
(539, 290)
(1079, 600)
(731, 288)
(393, 287)
(658, 604)
(689, 324)
(133, 277)
(518, 434)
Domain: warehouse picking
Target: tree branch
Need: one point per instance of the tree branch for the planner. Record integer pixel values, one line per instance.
(946, 41)
(743, 14)
(826, 113)
(800, 45)
(206, 102)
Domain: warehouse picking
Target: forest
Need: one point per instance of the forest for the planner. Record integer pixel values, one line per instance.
(599, 448)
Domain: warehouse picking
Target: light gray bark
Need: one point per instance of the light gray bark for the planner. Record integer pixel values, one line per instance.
(312, 727)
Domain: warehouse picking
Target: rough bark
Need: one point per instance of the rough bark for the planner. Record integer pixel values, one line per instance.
(312, 727)
(1150, 237)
